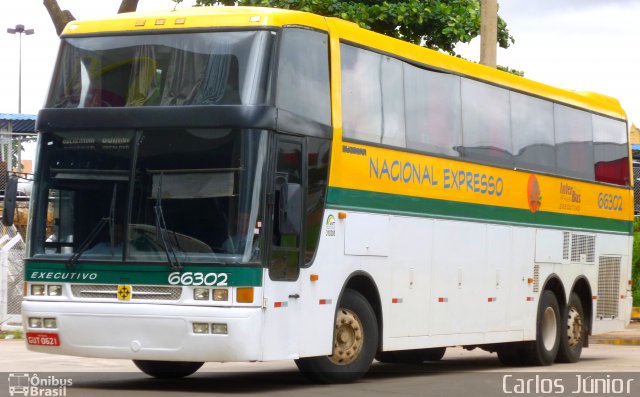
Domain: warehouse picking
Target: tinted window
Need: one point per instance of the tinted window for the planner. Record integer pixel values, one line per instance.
(610, 150)
(432, 111)
(574, 142)
(361, 94)
(532, 133)
(392, 102)
(485, 123)
(317, 171)
(303, 75)
(213, 68)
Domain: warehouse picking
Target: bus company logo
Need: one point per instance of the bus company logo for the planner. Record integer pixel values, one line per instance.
(331, 226)
(32, 385)
(570, 197)
(534, 195)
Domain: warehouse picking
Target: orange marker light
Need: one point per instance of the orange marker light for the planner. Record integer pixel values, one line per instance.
(314, 277)
(530, 280)
(244, 295)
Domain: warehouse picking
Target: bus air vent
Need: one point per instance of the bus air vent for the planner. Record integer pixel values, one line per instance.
(608, 287)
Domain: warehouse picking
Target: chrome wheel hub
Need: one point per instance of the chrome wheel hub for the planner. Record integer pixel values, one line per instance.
(549, 328)
(574, 327)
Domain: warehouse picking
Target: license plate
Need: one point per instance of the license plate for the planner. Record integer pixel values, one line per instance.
(43, 339)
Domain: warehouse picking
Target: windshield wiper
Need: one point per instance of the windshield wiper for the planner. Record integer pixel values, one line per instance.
(161, 230)
(108, 220)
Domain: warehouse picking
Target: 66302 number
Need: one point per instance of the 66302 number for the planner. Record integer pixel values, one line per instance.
(198, 278)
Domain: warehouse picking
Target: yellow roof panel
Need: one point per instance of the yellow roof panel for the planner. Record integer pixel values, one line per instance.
(196, 18)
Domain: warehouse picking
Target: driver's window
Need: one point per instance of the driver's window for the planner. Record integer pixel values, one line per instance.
(285, 253)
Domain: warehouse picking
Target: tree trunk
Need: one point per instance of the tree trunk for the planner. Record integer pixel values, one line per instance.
(59, 17)
(128, 6)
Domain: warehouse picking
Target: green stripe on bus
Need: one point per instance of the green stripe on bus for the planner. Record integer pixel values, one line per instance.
(123, 273)
(360, 200)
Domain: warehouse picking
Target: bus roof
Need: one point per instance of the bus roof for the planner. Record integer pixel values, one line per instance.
(204, 17)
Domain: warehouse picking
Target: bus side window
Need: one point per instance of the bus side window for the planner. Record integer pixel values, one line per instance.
(286, 242)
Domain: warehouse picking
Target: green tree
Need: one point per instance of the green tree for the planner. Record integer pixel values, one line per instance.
(437, 24)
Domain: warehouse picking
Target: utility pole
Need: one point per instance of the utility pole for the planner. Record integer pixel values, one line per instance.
(488, 32)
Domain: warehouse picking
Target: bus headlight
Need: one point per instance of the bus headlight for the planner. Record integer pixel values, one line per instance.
(200, 328)
(220, 295)
(49, 323)
(54, 290)
(35, 322)
(220, 329)
(37, 289)
(201, 294)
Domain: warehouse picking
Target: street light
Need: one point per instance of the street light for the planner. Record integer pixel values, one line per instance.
(19, 29)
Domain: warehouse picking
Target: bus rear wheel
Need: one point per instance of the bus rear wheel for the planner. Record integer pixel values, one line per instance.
(167, 369)
(573, 333)
(355, 343)
(544, 349)
(416, 356)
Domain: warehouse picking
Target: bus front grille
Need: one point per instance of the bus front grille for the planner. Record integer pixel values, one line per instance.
(138, 292)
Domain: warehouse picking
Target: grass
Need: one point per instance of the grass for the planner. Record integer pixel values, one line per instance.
(11, 334)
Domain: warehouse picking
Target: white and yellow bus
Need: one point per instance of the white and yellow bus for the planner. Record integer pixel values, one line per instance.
(248, 184)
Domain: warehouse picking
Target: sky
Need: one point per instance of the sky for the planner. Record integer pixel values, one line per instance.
(585, 45)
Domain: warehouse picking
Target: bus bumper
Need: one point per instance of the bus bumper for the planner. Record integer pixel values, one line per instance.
(147, 332)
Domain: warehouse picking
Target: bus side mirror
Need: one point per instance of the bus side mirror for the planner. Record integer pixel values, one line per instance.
(10, 195)
(290, 209)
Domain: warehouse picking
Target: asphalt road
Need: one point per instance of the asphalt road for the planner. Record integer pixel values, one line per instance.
(460, 373)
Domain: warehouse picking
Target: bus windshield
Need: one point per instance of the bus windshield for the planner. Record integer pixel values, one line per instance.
(140, 195)
(181, 69)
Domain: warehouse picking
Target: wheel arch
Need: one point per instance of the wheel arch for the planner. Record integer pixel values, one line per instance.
(362, 282)
(555, 285)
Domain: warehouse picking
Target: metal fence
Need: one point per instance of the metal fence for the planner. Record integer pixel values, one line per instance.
(12, 250)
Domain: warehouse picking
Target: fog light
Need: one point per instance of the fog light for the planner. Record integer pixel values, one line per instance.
(244, 295)
(219, 329)
(54, 290)
(49, 323)
(220, 295)
(200, 328)
(35, 322)
(37, 289)
(201, 294)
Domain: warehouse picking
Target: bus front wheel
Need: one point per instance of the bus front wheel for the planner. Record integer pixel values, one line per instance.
(355, 343)
(167, 369)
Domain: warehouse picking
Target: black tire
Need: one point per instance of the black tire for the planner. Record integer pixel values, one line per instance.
(351, 358)
(167, 369)
(416, 356)
(544, 349)
(574, 331)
